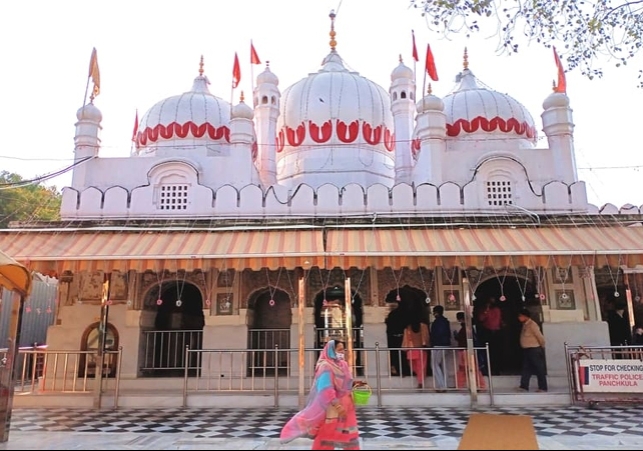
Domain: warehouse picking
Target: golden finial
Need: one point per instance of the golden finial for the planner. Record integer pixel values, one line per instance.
(553, 85)
(430, 89)
(241, 98)
(401, 61)
(201, 66)
(333, 42)
(465, 61)
(267, 64)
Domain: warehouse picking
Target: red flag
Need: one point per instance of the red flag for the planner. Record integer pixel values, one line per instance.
(254, 58)
(430, 64)
(562, 82)
(236, 71)
(415, 49)
(135, 132)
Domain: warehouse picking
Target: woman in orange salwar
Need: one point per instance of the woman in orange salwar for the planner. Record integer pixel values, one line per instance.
(329, 416)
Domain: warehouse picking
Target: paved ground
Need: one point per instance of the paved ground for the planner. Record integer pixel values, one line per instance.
(385, 428)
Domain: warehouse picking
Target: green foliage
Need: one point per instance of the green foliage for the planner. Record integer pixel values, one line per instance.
(22, 201)
(582, 30)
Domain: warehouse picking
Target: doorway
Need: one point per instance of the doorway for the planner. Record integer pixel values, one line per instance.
(404, 304)
(269, 320)
(178, 323)
(518, 293)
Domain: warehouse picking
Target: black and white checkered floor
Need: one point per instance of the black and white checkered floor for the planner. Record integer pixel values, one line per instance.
(389, 423)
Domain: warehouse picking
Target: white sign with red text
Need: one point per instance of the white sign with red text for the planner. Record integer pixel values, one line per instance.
(610, 376)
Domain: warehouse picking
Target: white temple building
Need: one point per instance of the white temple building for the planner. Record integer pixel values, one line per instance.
(205, 231)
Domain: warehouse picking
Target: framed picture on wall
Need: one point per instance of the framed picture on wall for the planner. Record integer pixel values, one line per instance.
(451, 300)
(224, 304)
(565, 300)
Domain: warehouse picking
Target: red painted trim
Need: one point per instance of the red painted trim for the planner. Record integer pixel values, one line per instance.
(497, 123)
(174, 129)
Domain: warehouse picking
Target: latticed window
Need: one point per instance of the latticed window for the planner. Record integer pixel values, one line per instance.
(499, 193)
(173, 197)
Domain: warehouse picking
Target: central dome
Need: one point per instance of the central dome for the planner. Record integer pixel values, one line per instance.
(335, 126)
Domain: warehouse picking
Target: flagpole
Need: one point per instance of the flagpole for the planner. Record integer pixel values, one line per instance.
(252, 74)
(425, 71)
(86, 89)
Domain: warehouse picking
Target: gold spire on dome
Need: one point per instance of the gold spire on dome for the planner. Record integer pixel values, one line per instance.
(401, 61)
(553, 85)
(242, 97)
(430, 89)
(465, 59)
(333, 42)
(201, 66)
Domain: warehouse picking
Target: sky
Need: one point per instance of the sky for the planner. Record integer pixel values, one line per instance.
(150, 50)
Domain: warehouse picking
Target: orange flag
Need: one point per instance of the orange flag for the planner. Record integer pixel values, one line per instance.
(415, 49)
(135, 132)
(254, 58)
(236, 71)
(94, 73)
(430, 64)
(562, 82)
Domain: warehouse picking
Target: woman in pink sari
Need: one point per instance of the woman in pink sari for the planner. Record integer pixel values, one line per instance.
(329, 416)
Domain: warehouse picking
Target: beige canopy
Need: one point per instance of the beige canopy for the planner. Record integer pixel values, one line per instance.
(14, 276)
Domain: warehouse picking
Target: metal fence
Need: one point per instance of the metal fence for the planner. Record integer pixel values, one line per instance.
(164, 352)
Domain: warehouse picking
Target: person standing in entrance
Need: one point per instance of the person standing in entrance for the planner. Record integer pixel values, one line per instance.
(416, 338)
(532, 343)
(440, 337)
(490, 321)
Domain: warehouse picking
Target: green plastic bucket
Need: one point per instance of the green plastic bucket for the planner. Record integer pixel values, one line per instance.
(362, 394)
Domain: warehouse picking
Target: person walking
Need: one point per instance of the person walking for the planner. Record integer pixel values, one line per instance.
(329, 415)
(440, 337)
(416, 337)
(532, 343)
(461, 339)
(490, 321)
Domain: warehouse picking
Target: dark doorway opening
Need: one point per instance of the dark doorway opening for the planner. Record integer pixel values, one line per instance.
(270, 318)
(405, 304)
(178, 323)
(518, 293)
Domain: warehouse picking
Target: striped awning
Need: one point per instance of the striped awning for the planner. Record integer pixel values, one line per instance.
(534, 246)
(14, 276)
(157, 250)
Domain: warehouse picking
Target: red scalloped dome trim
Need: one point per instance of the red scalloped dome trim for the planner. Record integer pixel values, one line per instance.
(497, 123)
(174, 129)
(345, 133)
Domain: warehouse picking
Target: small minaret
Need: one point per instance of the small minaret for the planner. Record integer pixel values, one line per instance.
(242, 139)
(559, 128)
(430, 136)
(86, 142)
(402, 93)
(266, 104)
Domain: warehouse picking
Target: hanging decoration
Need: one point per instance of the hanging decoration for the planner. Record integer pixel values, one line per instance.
(179, 292)
(522, 288)
(614, 278)
(272, 289)
(428, 292)
(324, 284)
(208, 290)
(502, 297)
(159, 301)
(397, 279)
(179, 303)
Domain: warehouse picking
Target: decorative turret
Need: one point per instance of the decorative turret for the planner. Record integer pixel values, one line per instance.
(243, 142)
(266, 103)
(559, 129)
(403, 107)
(86, 140)
(429, 143)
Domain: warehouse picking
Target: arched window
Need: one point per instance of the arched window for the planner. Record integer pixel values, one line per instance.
(499, 193)
(403, 95)
(89, 342)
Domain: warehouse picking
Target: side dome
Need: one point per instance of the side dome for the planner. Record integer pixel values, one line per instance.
(335, 126)
(474, 111)
(194, 118)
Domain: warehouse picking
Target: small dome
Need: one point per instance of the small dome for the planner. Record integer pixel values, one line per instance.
(556, 99)
(193, 115)
(241, 110)
(478, 111)
(430, 103)
(402, 71)
(267, 77)
(89, 113)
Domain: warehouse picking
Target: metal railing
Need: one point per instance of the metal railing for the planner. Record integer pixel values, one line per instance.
(163, 351)
(263, 359)
(225, 370)
(42, 370)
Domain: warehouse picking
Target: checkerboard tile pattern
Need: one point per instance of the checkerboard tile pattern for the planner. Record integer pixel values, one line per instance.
(374, 423)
